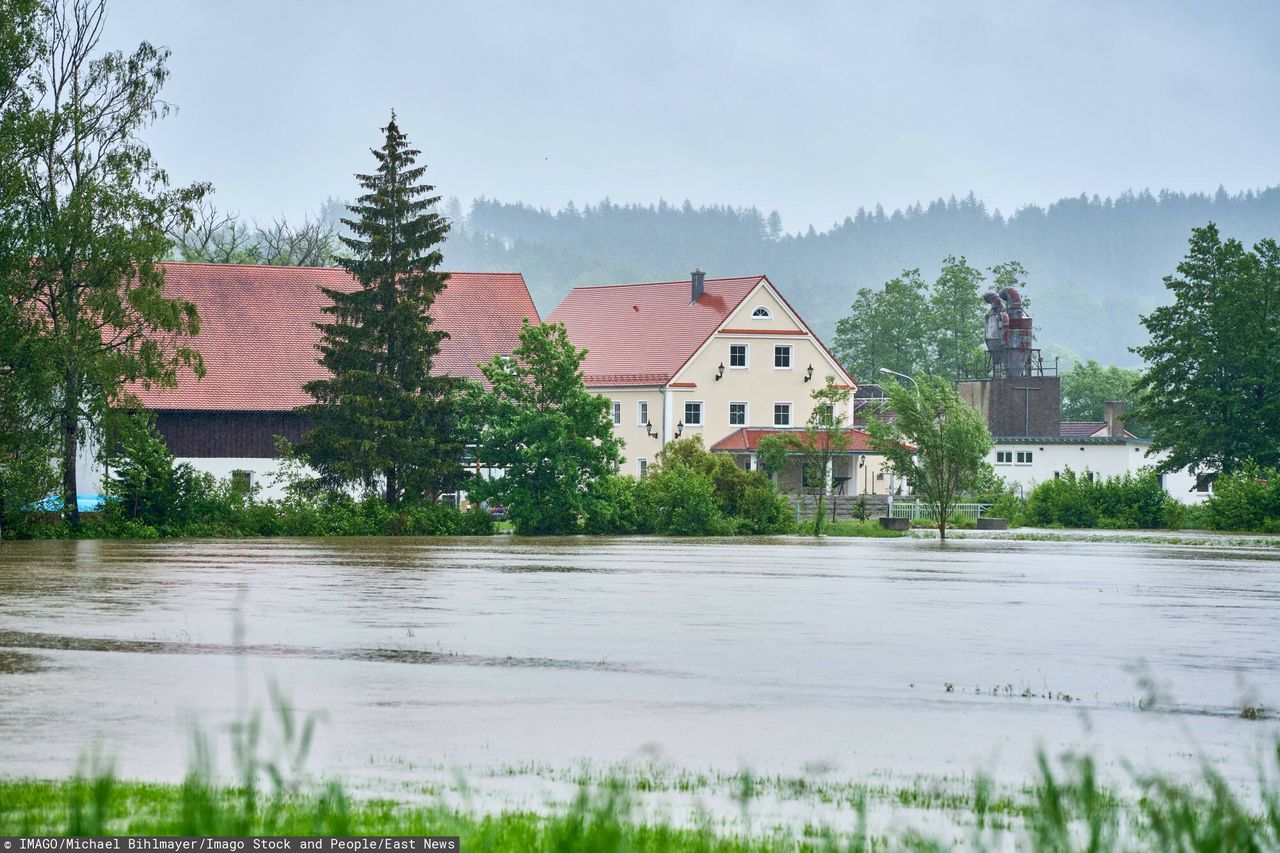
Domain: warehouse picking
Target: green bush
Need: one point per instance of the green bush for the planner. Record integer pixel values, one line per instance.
(747, 501)
(1247, 499)
(612, 506)
(1127, 501)
(677, 500)
(1008, 506)
(1066, 501)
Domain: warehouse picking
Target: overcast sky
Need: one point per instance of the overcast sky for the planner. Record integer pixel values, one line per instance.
(812, 109)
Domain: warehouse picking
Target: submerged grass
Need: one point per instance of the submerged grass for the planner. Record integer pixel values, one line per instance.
(1067, 808)
(850, 527)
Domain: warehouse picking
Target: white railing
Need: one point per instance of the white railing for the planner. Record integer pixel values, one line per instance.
(915, 510)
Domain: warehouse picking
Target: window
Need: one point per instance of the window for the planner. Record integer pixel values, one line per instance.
(782, 356)
(762, 313)
(825, 413)
(693, 414)
(737, 414)
(642, 468)
(782, 414)
(1004, 457)
(241, 481)
(642, 412)
(737, 355)
(1024, 457)
(617, 412)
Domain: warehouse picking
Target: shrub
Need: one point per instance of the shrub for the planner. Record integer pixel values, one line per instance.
(747, 501)
(1126, 501)
(1066, 501)
(1008, 506)
(144, 486)
(677, 500)
(1246, 499)
(611, 506)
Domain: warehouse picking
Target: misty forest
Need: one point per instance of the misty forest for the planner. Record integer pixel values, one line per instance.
(1094, 265)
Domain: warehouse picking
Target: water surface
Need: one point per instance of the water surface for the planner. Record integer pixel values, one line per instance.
(889, 657)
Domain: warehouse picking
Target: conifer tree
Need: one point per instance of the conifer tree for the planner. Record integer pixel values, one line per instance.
(384, 419)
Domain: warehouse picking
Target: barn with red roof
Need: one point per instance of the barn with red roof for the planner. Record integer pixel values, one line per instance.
(258, 338)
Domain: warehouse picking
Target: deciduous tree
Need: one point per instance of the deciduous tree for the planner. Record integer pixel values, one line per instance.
(823, 440)
(955, 310)
(95, 210)
(1088, 385)
(1211, 392)
(935, 441)
(886, 328)
(540, 425)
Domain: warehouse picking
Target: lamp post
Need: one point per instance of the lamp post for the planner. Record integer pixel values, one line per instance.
(904, 376)
(917, 387)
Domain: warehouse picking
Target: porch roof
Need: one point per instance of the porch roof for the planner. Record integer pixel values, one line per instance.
(747, 439)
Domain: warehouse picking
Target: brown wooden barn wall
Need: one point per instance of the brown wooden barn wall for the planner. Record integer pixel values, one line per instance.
(222, 434)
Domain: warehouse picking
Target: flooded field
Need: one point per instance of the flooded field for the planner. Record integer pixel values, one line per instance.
(505, 658)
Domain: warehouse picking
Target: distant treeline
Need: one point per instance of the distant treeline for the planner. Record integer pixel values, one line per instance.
(1094, 263)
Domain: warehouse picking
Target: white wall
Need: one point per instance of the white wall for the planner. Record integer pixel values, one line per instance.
(1104, 460)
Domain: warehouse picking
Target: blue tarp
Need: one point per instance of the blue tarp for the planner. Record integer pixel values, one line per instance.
(53, 503)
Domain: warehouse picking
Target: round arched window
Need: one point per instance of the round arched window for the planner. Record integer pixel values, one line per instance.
(762, 313)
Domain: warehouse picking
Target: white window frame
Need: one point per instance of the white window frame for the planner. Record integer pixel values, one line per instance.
(1024, 457)
(746, 357)
(642, 412)
(790, 356)
(790, 412)
(746, 412)
(767, 315)
(702, 413)
(1008, 457)
(617, 413)
(642, 468)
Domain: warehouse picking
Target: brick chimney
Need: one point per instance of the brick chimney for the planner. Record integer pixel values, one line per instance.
(699, 277)
(1113, 411)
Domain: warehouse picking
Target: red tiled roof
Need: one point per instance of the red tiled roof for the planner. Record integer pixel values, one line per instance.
(1086, 428)
(642, 334)
(748, 439)
(259, 342)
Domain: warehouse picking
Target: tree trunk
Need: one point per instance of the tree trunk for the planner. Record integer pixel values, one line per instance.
(391, 489)
(70, 443)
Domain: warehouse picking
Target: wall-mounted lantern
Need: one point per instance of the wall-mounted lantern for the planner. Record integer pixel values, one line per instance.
(720, 371)
(808, 374)
(648, 428)
(679, 428)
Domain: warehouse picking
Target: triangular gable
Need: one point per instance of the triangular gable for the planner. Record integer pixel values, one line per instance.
(734, 323)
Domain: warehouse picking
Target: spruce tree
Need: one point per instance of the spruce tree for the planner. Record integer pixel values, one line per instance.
(383, 419)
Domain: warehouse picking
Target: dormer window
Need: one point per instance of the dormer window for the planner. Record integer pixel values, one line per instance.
(762, 313)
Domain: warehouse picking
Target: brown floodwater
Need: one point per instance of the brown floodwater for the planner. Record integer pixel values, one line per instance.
(856, 656)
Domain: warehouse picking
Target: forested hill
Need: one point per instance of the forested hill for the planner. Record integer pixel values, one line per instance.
(1095, 264)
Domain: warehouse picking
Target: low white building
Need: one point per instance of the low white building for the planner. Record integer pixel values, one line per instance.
(1102, 448)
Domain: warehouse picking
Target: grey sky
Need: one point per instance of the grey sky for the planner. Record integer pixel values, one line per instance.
(812, 109)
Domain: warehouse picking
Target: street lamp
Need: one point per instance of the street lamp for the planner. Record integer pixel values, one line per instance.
(904, 376)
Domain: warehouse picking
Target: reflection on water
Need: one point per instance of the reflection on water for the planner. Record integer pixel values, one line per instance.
(889, 656)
